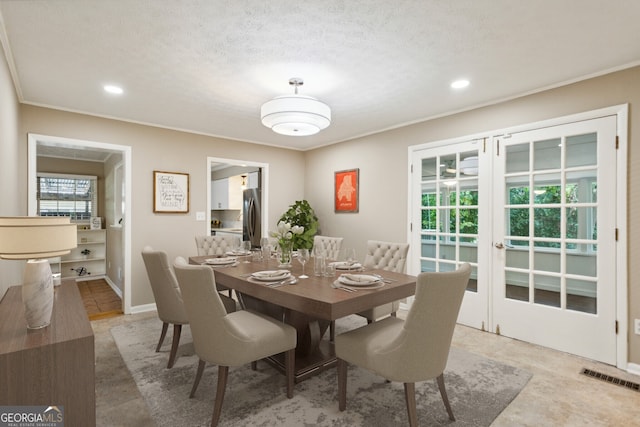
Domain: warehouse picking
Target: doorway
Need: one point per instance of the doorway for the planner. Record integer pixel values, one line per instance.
(116, 225)
(536, 211)
(232, 167)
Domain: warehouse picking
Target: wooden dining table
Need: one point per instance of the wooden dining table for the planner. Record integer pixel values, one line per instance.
(309, 305)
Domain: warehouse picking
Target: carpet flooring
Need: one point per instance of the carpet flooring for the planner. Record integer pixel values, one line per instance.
(100, 301)
(479, 389)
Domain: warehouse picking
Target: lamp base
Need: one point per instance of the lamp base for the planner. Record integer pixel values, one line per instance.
(37, 293)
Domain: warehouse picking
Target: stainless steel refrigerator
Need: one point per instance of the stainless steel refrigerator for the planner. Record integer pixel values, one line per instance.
(251, 216)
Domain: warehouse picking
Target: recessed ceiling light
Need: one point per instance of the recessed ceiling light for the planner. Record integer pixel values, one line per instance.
(116, 90)
(459, 84)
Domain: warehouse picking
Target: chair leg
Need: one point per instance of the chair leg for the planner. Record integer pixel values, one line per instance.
(369, 321)
(290, 364)
(162, 335)
(332, 331)
(223, 373)
(196, 381)
(254, 365)
(445, 399)
(410, 397)
(393, 314)
(177, 330)
(342, 384)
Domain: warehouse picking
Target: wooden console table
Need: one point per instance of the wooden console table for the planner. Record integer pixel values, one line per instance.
(53, 365)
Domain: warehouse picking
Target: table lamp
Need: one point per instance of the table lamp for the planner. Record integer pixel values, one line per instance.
(36, 238)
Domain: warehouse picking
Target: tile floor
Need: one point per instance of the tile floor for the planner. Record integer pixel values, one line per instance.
(556, 395)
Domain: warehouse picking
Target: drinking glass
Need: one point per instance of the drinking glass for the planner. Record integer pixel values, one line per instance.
(350, 256)
(303, 257)
(245, 247)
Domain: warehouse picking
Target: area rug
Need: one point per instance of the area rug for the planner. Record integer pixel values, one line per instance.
(479, 389)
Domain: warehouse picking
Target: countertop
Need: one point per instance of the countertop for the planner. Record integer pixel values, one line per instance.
(228, 230)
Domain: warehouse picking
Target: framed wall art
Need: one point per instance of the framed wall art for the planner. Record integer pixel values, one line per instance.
(346, 187)
(170, 192)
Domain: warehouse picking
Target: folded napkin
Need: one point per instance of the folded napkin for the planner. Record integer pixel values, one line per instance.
(271, 273)
(362, 278)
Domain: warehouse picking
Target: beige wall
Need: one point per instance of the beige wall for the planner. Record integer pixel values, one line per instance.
(383, 163)
(10, 271)
(160, 149)
(382, 159)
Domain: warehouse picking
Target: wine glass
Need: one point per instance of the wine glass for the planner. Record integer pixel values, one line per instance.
(350, 256)
(303, 257)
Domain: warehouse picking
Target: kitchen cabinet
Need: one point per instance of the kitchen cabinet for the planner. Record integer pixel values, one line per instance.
(90, 254)
(226, 193)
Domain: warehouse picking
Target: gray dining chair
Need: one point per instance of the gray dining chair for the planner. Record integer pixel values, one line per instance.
(386, 256)
(411, 350)
(229, 339)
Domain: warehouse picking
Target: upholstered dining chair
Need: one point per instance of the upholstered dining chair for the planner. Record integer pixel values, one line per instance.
(167, 295)
(387, 256)
(216, 245)
(229, 339)
(331, 245)
(411, 350)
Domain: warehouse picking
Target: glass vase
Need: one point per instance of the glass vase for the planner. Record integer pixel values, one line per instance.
(284, 253)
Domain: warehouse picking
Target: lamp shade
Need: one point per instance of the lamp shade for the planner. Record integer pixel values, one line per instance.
(32, 237)
(295, 115)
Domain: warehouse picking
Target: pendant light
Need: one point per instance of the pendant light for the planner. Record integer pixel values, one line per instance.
(295, 115)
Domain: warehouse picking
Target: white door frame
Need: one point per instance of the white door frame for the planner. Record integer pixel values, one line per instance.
(125, 150)
(621, 112)
(264, 188)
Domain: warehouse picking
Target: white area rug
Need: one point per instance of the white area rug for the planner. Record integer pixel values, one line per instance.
(478, 388)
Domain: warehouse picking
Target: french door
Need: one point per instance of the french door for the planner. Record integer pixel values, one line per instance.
(534, 214)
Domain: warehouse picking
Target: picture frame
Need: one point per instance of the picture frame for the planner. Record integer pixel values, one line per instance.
(170, 192)
(346, 191)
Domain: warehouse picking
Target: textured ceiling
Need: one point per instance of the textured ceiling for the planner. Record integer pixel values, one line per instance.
(207, 66)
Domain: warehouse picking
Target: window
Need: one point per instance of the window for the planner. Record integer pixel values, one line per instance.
(75, 196)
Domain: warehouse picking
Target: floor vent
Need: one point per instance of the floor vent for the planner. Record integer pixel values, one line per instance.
(613, 380)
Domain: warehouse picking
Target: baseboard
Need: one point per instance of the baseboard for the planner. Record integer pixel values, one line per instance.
(113, 286)
(633, 368)
(143, 308)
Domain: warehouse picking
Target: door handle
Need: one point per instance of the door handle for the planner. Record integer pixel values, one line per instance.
(500, 245)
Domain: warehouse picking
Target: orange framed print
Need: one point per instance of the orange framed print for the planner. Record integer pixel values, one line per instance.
(170, 192)
(347, 187)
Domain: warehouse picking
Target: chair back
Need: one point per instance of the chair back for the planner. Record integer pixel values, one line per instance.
(164, 286)
(215, 337)
(216, 245)
(421, 349)
(330, 245)
(386, 255)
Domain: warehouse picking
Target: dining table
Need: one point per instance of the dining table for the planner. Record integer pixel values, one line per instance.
(309, 304)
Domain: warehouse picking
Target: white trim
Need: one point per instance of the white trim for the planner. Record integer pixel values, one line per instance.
(621, 111)
(125, 150)
(622, 285)
(113, 286)
(633, 368)
(264, 189)
(144, 308)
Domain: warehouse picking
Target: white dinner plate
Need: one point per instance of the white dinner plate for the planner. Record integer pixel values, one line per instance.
(358, 279)
(270, 275)
(220, 261)
(343, 265)
(239, 253)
